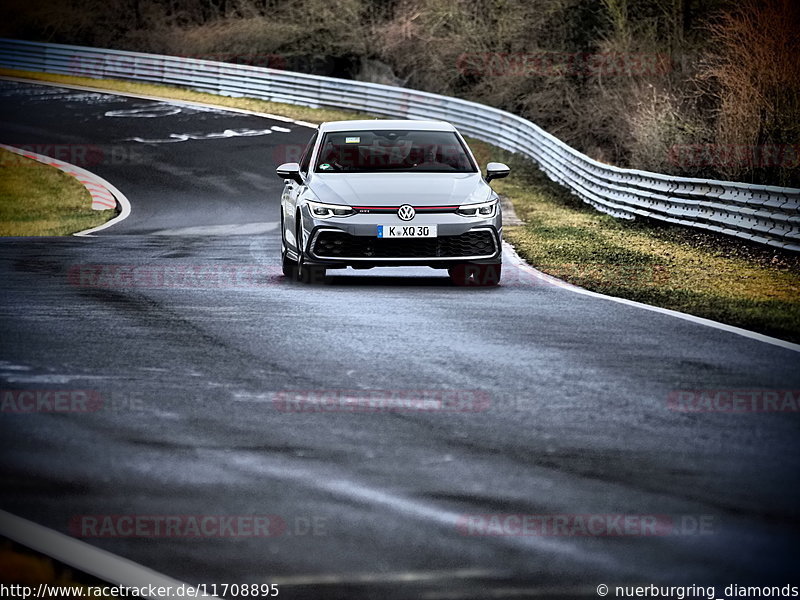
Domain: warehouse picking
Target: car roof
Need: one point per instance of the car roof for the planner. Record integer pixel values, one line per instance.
(381, 124)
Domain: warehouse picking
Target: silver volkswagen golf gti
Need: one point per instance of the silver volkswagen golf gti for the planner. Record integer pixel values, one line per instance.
(390, 193)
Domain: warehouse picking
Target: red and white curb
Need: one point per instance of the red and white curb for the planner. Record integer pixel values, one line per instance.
(102, 198)
(104, 195)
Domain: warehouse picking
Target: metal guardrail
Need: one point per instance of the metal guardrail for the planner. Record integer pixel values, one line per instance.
(765, 214)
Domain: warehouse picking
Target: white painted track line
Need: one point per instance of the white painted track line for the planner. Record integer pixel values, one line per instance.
(80, 555)
(519, 263)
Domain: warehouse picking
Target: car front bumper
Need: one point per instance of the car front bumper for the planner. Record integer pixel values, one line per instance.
(353, 241)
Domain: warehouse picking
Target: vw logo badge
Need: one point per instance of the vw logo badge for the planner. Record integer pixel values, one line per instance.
(406, 212)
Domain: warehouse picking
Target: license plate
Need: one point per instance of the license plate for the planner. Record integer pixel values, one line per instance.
(406, 231)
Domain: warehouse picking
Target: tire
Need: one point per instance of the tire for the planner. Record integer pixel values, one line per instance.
(475, 274)
(287, 265)
(306, 273)
(311, 274)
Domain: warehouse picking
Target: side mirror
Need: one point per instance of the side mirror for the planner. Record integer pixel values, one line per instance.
(290, 171)
(496, 171)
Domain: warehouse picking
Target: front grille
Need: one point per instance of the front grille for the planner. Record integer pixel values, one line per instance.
(337, 244)
(393, 209)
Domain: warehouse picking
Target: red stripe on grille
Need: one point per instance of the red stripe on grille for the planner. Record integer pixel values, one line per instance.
(414, 207)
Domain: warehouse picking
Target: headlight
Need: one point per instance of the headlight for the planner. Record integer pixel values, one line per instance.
(326, 211)
(483, 209)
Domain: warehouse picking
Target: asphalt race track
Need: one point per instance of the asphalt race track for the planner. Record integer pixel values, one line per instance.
(563, 398)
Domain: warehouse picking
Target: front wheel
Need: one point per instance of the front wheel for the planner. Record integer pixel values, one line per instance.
(311, 273)
(288, 266)
(475, 274)
(306, 273)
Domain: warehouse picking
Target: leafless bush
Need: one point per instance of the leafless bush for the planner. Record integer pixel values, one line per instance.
(731, 82)
(754, 67)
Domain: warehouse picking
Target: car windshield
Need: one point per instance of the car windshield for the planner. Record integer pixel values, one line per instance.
(393, 151)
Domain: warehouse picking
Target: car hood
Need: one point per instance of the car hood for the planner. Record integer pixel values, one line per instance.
(394, 189)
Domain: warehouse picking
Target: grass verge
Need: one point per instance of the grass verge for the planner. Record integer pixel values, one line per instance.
(20, 565)
(704, 274)
(37, 199)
